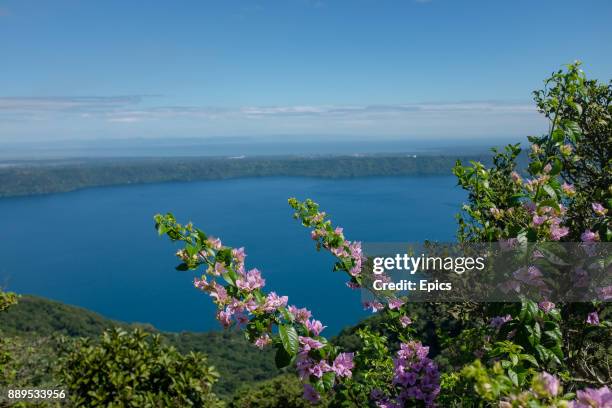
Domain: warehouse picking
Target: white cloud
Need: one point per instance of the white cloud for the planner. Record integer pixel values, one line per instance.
(136, 115)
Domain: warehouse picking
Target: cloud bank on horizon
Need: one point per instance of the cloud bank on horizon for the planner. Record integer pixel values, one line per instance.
(292, 68)
(133, 116)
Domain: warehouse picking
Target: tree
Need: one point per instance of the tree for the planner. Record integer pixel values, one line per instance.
(136, 370)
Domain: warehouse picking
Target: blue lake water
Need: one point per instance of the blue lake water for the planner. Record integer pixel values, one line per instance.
(97, 248)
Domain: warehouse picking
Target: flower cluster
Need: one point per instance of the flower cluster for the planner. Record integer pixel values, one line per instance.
(416, 377)
(241, 302)
(349, 253)
(593, 398)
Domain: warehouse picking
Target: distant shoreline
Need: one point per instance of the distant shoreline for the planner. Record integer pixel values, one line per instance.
(26, 178)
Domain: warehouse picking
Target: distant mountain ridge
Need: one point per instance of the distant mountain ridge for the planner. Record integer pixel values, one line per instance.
(47, 177)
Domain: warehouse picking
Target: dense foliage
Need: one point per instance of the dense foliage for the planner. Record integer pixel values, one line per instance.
(511, 355)
(52, 177)
(135, 369)
(36, 331)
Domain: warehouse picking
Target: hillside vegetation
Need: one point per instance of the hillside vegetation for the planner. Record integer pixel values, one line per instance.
(55, 177)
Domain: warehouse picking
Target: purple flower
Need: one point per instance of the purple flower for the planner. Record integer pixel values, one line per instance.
(530, 206)
(301, 315)
(538, 219)
(593, 398)
(219, 269)
(315, 326)
(589, 236)
(215, 243)
(550, 383)
(310, 343)
(320, 368)
(310, 394)
(251, 280)
(395, 303)
(405, 321)
(593, 318)
(599, 209)
(568, 189)
(498, 321)
(225, 317)
(273, 302)
(546, 306)
(557, 232)
(416, 375)
(200, 283)
(352, 285)
(374, 305)
(263, 341)
(343, 364)
(219, 293)
(605, 293)
(239, 254)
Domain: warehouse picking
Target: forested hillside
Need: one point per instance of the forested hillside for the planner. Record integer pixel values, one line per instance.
(17, 179)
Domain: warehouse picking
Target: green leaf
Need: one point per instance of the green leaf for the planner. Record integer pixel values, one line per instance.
(282, 358)
(182, 267)
(289, 338)
(512, 375)
(558, 135)
(329, 379)
(550, 191)
(556, 167)
(530, 358)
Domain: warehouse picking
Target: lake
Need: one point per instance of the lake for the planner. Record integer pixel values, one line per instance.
(97, 248)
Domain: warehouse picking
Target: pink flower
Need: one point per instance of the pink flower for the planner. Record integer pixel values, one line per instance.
(530, 206)
(239, 254)
(263, 341)
(301, 315)
(593, 318)
(374, 305)
(539, 219)
(310, 394)
(309, 343)
(546, 306)
(215, 243)
(593, 398)
(320, 368)
(251, 281)
(550, 383)
(516, 177)
(343, 364)
(241, 319)
(405, 321)
(547, 168)
(219, 293)
(395, 303)
(557, 232)
(599, 209)
(352, 285)
(499, 321)
(225, 318)
(219, 269)
(605, 293)
(273, 302)
(200, 283)
(589, 236)
(315, 327)
(568, 189)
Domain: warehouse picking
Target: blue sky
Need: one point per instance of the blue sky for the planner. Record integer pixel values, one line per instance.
(73, 69)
